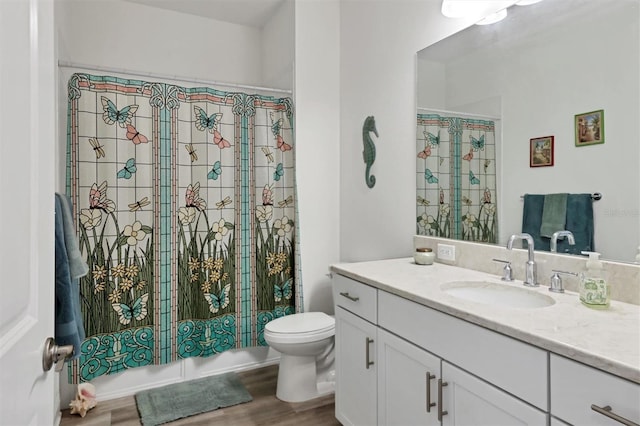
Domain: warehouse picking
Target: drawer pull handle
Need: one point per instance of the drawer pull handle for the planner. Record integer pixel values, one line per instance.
(441, 412)
(367, 362)
(348, 296)
(607, 411)
(429, 403)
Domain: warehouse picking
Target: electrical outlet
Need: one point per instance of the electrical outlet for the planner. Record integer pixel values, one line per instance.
(446, 252)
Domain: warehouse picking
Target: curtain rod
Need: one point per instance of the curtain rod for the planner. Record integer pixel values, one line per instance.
(64, 64)
(595, 196)
(459, 113)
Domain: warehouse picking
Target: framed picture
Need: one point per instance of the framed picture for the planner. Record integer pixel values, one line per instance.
(541, 151)
(589, 128)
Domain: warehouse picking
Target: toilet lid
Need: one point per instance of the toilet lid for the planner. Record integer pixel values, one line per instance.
(301, 323)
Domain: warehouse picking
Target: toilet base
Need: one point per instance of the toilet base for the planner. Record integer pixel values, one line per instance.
(297, 379)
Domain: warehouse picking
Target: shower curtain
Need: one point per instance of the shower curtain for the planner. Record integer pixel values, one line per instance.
(185, 207)
(456, 178)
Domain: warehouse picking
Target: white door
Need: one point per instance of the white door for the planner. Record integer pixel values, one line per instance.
(469, 401)
(356, 367)
(407, 383)
(27, 141)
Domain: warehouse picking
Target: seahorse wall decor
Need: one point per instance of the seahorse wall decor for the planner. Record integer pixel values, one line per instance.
(369, 152)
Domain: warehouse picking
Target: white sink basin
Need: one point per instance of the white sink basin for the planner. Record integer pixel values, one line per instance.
(497, 294)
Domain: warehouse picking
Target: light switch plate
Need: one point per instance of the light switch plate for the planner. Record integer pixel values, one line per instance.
(446, 252)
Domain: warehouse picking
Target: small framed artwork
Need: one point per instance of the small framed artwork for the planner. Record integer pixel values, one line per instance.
(541, 151)
(589, 128)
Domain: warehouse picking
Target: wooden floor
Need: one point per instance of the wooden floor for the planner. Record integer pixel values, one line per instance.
(265, 409)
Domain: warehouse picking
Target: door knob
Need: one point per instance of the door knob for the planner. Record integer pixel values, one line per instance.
(54, 354)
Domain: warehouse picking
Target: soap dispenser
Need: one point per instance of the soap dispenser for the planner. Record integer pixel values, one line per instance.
(594, 290)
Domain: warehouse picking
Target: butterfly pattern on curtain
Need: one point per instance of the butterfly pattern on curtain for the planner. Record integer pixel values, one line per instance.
(456, 178)
(185, 207)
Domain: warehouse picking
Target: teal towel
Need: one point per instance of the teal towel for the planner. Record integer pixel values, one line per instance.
(69, 267)
(554, 214)
(77, 265)
(580, 223)
(531, 221)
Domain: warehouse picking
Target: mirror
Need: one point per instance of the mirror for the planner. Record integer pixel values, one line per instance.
(532, 75)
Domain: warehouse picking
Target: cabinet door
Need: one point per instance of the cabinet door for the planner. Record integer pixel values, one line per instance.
(576, 387)
(407, 379)
(468, 400)
(356, 370)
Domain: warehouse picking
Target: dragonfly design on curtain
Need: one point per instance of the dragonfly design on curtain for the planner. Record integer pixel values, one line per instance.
(456, 178)
(188, 254)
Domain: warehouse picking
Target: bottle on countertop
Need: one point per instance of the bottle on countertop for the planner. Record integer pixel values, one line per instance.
(424, 256)
(594, 290)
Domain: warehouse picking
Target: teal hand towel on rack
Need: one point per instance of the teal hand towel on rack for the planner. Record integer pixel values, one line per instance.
(532, 220)
(554, 214)
(580, 223)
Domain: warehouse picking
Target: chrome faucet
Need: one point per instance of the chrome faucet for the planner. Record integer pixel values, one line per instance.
(531, 273)
(558, 234)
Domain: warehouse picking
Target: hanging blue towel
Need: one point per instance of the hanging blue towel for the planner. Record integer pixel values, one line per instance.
(532, 220)
(69, 329)
(580, 223)
(77, 265)
(554, 214)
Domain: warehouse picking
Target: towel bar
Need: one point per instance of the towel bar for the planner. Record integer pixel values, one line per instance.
(595, 196)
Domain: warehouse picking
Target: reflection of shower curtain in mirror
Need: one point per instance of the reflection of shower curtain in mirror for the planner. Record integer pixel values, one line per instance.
(185, 207)
(456, 178)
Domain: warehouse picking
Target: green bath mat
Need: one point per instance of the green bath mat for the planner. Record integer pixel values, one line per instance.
(179, 400)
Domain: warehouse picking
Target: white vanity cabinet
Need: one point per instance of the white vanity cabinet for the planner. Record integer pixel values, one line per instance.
(407, 383)
(424, 367)
(575, 388)
(442, 360)
(355, 352)
(479, 368)
(418, 388)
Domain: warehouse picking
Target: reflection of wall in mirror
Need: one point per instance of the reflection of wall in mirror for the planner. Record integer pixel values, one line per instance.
(538, 92)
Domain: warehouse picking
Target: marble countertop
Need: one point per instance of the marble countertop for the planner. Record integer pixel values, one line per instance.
(605, 339)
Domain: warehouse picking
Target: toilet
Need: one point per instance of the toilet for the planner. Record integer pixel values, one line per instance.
(305, 342)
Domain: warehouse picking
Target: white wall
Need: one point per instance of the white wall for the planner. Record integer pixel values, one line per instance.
(114, 33)
(567, 71)
(278, 46)
(317, 94)
(378, 44)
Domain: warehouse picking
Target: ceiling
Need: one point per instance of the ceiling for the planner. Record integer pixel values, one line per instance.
(252, 13)
(522, 23)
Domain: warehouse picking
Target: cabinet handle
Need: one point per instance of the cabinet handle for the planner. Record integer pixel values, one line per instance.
(348, 296)
(429, 403)
(441, 412)
(367, 362)
(607, 411)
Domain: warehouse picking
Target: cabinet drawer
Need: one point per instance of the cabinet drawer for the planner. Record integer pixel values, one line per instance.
(356, 297)
(575, 387)
(514, 366)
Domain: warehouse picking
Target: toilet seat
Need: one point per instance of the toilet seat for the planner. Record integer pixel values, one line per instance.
(300, 328)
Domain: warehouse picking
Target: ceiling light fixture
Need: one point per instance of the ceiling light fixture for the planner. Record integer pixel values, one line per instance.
(493, 18)
(527, 2)
(473, 8)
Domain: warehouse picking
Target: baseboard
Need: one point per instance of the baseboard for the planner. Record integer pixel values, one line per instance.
(132, 390)
(242, 367)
